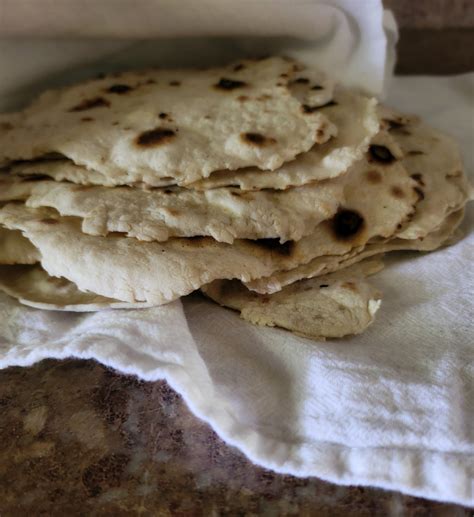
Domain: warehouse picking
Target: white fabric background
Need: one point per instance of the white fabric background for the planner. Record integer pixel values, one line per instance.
(391, 408)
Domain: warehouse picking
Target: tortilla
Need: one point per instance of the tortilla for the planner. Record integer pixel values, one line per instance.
(330, 306)
(157, 215)
(32, 286)
(15, 249)
(433, 162)
(443, 236)
(355, 117)
(176, 124)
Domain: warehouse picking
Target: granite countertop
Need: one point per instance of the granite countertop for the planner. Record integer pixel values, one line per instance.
(80, 439)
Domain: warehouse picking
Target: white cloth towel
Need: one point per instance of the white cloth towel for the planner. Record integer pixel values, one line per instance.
(390, 408)
(352, 40)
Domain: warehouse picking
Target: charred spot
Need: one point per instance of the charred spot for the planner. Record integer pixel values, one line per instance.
(374, 176)
(381, 154)
(163, 115)
(397, 192)
(156, 136)
(317, 87)
(115, 123)
(168, 191)
(347, 223)
(394, 124)
(88, 104)
(311, 109)
(120, 89)
(284, 75)
(420, 193)
(399, 226)
(234, 193)
(301, 80)
(229, 84)
(322, 286)
(49, 221)
(256, 139)
(175, 83)
(87, 119)
(242, 98)
(238, 67)
(414, 153)
(274, 245)
(418, 178)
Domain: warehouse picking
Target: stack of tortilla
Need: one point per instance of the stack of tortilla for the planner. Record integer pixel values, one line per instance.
(262, 183)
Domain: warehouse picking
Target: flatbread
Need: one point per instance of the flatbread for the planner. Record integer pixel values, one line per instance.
(178, 124)
(433, 162)
(32, 286)
(444, 235)
(159, 214)
(128, 270)
(330, 306)
(16, 249)
(357, 122)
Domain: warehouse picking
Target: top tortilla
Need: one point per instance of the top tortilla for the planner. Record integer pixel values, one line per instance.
(178, 125)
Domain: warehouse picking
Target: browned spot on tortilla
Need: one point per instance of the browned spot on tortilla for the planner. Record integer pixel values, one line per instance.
(397, 192)
(265, 299)
(256, 139)
(418, 178)
(285, 249)
(350, 285)
(157, 136)
(264, 97)
(163, 115)
(120, 89)
(87, 119)
(297, 68)
(175, 83)
(49, 221)
(374, 176)
(284, 75)
(399, 226)
(242, 98)
(421, 194)
(322, 286)
(168, 191)
(81, 188)
(6, 126)
(317, 87)
(115, 123)
(238, 67)
(393, 124)
(414, 153)
(346, 224)
(229, 84)
(150, 81)
(380, 154)
(301, 80)
(306, 108)
(455, 174)
(88, 104)
(234, 193)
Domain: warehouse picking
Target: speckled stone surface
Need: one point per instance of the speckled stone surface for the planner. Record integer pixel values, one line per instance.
(79, 439)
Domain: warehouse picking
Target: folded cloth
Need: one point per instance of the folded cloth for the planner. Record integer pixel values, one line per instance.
(47, 43)
(391, 408)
